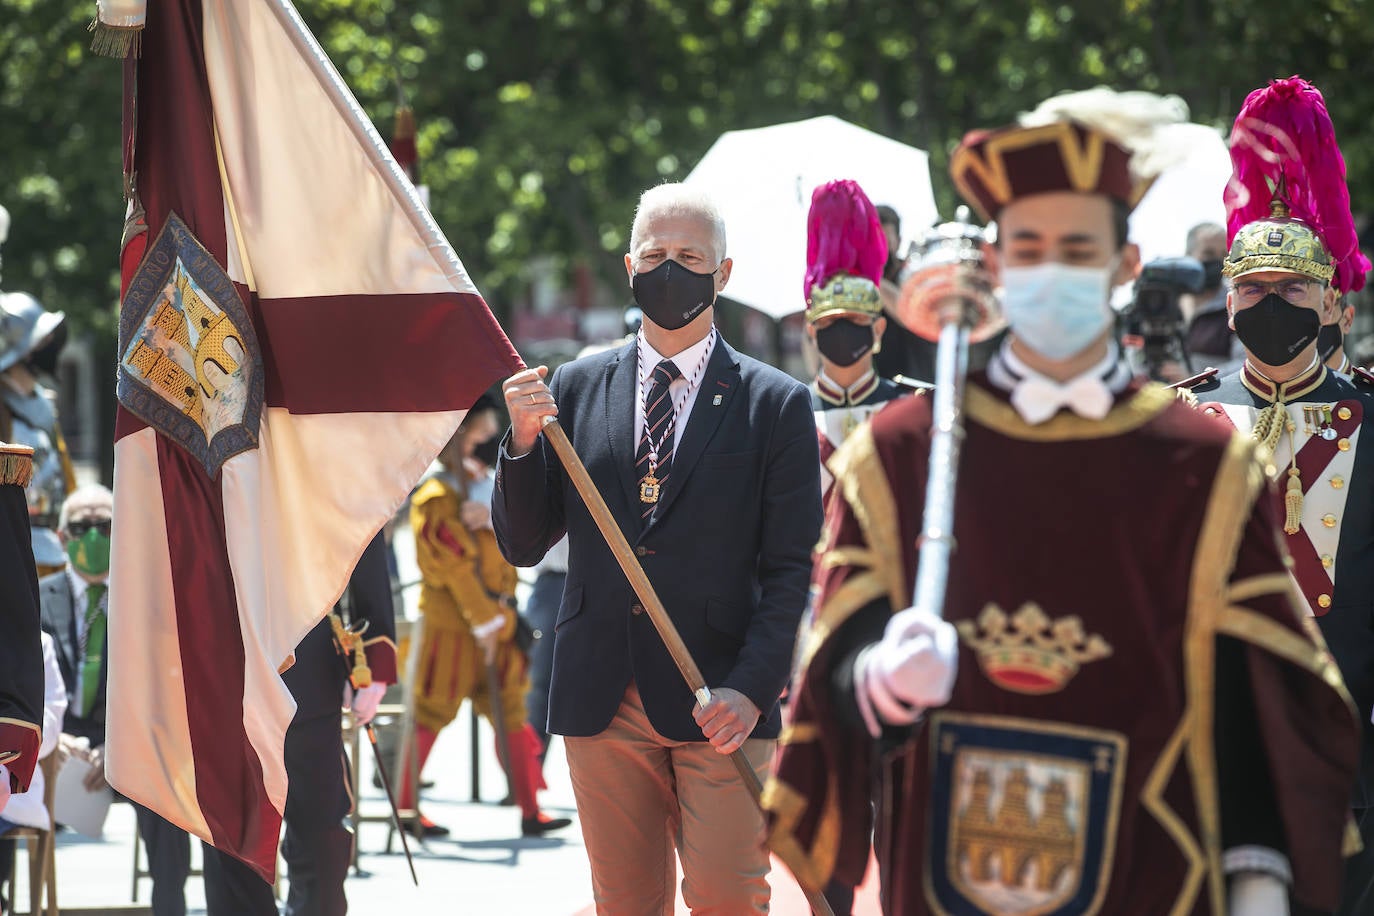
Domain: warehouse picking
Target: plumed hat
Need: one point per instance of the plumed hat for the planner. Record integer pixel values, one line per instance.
(1287, 204)
(1093, 142)
(845, 252)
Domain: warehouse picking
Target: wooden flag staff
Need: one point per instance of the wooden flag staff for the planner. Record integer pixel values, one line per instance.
(639, 581)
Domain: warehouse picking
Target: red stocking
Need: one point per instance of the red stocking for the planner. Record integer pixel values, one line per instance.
(424, 741)
(526, 776)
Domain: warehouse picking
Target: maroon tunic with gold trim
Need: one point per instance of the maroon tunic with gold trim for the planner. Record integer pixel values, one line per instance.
(1135, 697)
(21, 654)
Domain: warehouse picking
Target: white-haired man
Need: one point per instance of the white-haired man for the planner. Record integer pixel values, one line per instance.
(708, 460)
(73, 602)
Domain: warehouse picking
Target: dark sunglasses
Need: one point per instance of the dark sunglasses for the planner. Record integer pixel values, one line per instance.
(78, 528)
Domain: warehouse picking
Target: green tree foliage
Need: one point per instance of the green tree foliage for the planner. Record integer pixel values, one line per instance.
(542, 120)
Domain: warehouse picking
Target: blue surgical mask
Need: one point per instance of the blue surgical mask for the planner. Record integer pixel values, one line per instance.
(1055, 309)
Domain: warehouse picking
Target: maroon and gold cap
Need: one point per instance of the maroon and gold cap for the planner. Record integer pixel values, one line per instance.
(1093, 142)
(993, 168)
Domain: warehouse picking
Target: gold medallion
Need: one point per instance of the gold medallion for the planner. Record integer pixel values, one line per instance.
(649, 489)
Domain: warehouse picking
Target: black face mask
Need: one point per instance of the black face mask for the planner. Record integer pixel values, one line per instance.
(844, 342)
(44, 358)
(1329, 340)
(1211, 274)
(1275, 331)
(671, 296)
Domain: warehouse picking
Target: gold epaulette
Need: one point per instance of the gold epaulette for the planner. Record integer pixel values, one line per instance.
(16, 464)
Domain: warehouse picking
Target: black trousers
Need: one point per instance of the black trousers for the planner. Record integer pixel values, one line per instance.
(169, 861)
(318, 844)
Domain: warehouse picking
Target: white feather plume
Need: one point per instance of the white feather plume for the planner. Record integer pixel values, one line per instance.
(1154, 129)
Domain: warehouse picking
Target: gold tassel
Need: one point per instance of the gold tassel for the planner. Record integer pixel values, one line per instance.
(1292, 503)
(362, 674)
(16, 464)
(115, 41)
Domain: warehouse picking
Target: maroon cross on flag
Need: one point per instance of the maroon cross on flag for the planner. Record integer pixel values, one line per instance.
(297, 343)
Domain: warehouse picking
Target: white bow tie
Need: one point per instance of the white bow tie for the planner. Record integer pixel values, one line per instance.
(1037, 399)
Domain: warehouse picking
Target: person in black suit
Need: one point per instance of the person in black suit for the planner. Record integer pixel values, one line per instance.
(318, 845)
(74, 604)
(709, 461)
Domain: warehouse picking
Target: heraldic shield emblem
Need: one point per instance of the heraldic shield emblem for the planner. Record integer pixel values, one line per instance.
(1023, 816)
(189, 362)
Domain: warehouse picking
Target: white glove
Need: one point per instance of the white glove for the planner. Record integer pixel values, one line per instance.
(909, 670)
(4, 786)
(1255, 893)
(366, 700)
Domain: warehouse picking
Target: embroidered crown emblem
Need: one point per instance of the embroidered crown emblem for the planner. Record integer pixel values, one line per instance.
(1028, 652)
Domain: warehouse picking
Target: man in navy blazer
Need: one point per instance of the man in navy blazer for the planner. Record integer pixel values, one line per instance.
(708, 460)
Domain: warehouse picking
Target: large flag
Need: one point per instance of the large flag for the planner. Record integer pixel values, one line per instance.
(297, 342)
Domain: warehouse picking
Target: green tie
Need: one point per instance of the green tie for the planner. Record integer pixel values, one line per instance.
(93, 647)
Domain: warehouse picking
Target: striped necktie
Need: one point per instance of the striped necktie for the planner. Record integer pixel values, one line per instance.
(659, 431)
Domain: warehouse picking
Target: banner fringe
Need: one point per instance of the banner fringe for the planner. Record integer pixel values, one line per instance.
(115, 41)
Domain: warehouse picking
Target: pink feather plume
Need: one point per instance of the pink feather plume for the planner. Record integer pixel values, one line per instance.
(1283, 132)
(843, 235)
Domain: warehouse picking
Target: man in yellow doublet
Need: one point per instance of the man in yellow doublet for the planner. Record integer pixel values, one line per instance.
(467, 604)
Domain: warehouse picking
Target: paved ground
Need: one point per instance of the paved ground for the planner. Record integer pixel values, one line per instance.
(484, 869)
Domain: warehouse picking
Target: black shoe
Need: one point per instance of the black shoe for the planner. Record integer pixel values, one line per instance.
(542, 824)
(426, 829)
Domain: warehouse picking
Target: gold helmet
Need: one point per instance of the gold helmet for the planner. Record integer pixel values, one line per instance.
(844, 294)
(1280, 242)
(845, 252)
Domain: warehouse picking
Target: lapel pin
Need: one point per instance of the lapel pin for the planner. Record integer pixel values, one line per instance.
(715, 402)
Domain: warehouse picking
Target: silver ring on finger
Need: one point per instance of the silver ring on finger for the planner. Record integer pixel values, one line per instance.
(532, 398)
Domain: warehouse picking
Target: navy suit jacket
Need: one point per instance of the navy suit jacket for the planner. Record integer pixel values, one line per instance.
(60, 611)
(728, 551)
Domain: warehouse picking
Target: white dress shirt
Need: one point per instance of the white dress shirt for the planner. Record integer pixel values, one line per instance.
(698, 354)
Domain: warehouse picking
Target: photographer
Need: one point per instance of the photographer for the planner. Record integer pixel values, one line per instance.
(1207, 338)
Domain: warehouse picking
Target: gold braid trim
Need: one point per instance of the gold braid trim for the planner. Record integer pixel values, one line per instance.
(812, 868)
(1267, 584)
(1131, 414)
(1256, 629)
(878, 572)
(858, 590)
(1270, 424)
(799, 733)
(1291, 263)
(16, 464)
(1152, 797)
(863, 483)
(1237, 483)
